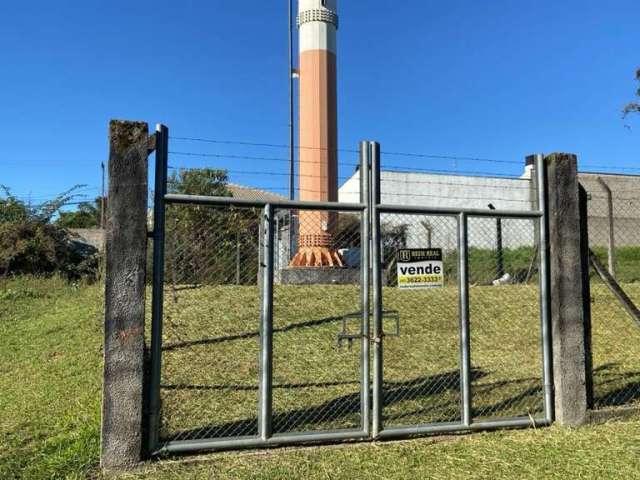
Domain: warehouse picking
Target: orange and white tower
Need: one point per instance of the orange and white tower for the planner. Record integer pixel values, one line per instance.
(318, 134)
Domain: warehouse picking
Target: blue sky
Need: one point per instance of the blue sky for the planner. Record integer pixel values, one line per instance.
(495, 79)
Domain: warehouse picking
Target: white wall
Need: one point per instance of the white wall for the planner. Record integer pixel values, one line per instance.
(455, 191)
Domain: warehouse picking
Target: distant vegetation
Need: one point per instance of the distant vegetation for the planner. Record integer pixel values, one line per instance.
(86, 216)
(205, 245)
(32, 243)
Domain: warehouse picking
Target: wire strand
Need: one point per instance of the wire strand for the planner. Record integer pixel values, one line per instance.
(249, 157)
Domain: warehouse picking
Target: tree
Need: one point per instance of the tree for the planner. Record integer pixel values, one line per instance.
(633, 107)
(87, 215)
(207, 244)
(38, 248)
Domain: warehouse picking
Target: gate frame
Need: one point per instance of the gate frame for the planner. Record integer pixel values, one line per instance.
(265, 437)
(370, 209)
(466, 423)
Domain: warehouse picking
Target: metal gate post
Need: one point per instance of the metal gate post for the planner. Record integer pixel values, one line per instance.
(465, 338)
(266, 330)
(545, 314)
(160, 190)
(365, 265)
(374, 149)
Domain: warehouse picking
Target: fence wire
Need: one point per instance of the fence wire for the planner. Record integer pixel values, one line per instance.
(212, 305)
(421, 365)
(317, 320)
(504, 307)
(421, 368)
(209, 386)
(615, 333)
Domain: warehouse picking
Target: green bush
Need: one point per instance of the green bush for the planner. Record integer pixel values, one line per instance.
(43, 249)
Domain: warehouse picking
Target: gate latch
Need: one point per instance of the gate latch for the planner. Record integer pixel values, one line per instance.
(349, 336)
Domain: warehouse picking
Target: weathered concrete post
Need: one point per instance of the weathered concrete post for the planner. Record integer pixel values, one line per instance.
(570, 316)
(126, 250)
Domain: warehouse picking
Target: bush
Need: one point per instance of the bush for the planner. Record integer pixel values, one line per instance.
(43, 249)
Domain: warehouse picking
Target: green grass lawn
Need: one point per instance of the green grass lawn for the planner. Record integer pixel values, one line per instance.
(210, 376)
(50, 364)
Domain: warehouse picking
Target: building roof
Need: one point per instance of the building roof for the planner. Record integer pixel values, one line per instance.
(249, 193)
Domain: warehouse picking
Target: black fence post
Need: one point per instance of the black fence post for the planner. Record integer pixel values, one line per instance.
(126, 251)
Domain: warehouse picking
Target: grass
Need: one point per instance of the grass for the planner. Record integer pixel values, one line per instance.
(627, 260)
(211, 366)
(50, 364)
(50, 377)
(600, 452)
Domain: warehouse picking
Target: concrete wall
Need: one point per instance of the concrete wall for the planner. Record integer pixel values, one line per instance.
(625, 190)
(456, 191)
(90, 236)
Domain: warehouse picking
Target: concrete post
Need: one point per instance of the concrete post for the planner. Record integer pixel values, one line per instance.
(570, 315)
(126, 251)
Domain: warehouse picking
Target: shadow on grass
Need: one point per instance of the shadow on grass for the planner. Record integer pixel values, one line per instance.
(345, 408)
(249, 388)
(625, 386)
(244, 336)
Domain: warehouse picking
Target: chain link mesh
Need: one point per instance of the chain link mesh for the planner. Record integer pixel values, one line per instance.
(316, 373)
(210, 371)
(504, 308)
(615, 334)
(421, 370)
(421, 365)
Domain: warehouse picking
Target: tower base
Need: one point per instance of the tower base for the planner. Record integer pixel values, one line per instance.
(319, 276)
(316, 257)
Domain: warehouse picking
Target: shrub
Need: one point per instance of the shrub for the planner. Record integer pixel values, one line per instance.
(43, 249)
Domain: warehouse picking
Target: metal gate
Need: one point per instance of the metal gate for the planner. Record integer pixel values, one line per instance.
(242, 358)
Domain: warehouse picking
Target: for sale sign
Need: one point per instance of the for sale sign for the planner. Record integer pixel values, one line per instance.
(420, 268)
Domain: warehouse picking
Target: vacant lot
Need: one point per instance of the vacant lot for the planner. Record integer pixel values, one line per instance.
(50, 364)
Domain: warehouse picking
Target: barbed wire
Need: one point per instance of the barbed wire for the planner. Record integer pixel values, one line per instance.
(384, 152)
(260, 144)
(398, 168)
(285, 189)
(257, 172)
(250, 157)
(402, 169)
(449, 157)
(611, 167)
(26, 198)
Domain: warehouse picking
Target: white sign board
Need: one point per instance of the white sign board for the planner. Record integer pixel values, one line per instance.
(420, 268)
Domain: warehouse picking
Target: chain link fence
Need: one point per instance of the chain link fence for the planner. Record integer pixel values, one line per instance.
(421, 366)
(210, 363)
(238, 367)
(210, 371)
(317, 322)
(504, 306)
(615, 334)
(422, 363)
